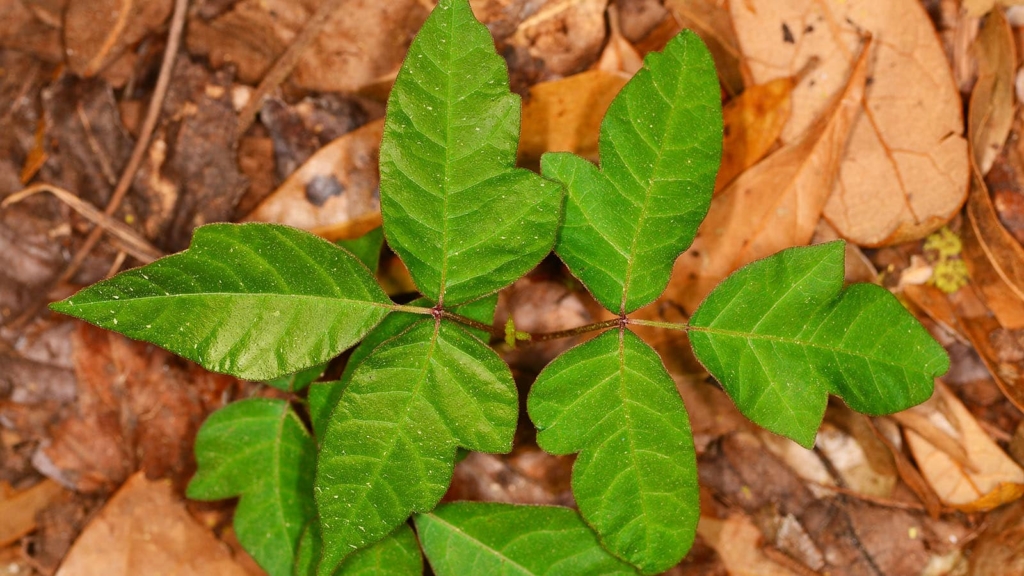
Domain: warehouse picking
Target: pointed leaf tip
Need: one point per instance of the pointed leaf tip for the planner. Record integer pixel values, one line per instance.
(257, 301)
(464, 220)
(661, 144)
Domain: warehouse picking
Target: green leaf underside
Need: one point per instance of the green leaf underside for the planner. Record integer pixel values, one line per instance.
(259, 449)
(324, 396)
(257, 301)
(660, 146)
(298, 381)
(389, 446)
(781, 334)
(398, 554)
(635, 480)
(507, 540)
(366, 248)
(461, 217)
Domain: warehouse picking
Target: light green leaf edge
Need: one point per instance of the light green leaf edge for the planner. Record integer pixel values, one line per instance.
(324, 396)
(257, 301)
(259, 449)
(782, 333)
(464, 220)
(510, 540)
(366, 248)
(398, 554)
(389, 446)
(635, 479)
(660, 146)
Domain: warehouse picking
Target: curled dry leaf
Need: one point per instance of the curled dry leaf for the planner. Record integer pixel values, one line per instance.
(96, 33)
(752, 121)
(996, 480)
(906, 167)
(335, 193)
(1000, 352)
(775, 204)
(990, 113)
(994, 258)
(145, 529)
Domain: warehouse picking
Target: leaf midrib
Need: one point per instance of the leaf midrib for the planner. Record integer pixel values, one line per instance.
(784, 340)
(119, 301)
(624, 396)
(508, 561)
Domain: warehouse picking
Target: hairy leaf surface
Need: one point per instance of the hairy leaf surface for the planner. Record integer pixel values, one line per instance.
(464, 220)
(660, 145)
(507, 540)
(782, 333)
(257, 301)
(389, 446)
(259, 449)
(398, 554)
(635, 480)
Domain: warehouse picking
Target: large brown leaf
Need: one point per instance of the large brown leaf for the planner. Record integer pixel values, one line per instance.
(990, 114)
(905, 171)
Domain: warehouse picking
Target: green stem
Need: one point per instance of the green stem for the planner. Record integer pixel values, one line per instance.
(499, 332)
(411, 309)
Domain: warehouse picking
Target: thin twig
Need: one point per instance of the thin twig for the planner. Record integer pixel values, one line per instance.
(138, 153)
(284, 65)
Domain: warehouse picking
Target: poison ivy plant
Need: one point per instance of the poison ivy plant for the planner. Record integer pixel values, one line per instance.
(329, 473)
(782, 334)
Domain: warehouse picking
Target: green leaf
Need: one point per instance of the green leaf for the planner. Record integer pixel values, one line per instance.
(366, 248)
(396, 555)
(257, 301)
(259, 449)
(781, 334)
(389, 446)
(324, 396)
(298, 381)
(635, 480)
(464, 220)
(660, 145)
(506, 540)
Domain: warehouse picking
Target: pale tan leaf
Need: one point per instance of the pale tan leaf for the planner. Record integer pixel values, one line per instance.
(997, 479)
(990, 113)
(906, 167)
(145, 529)
(739, 544)
(776, 204)
(977, 8)
(332, 190)
(97, 32)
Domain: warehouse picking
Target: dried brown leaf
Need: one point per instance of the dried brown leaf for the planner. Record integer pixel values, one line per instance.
(994, 258)
(739, 543)
(97, 32)
(977, 8)
(565, 115)
(775, 204)
(366, 40)
(145, 529)
(753, 121)
(18, 510)
(336, 186)
(999, 549)
(1005, 366)
(711, 21)
(998, 479)
(567, 35)
(990, 113)
(905, 171)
